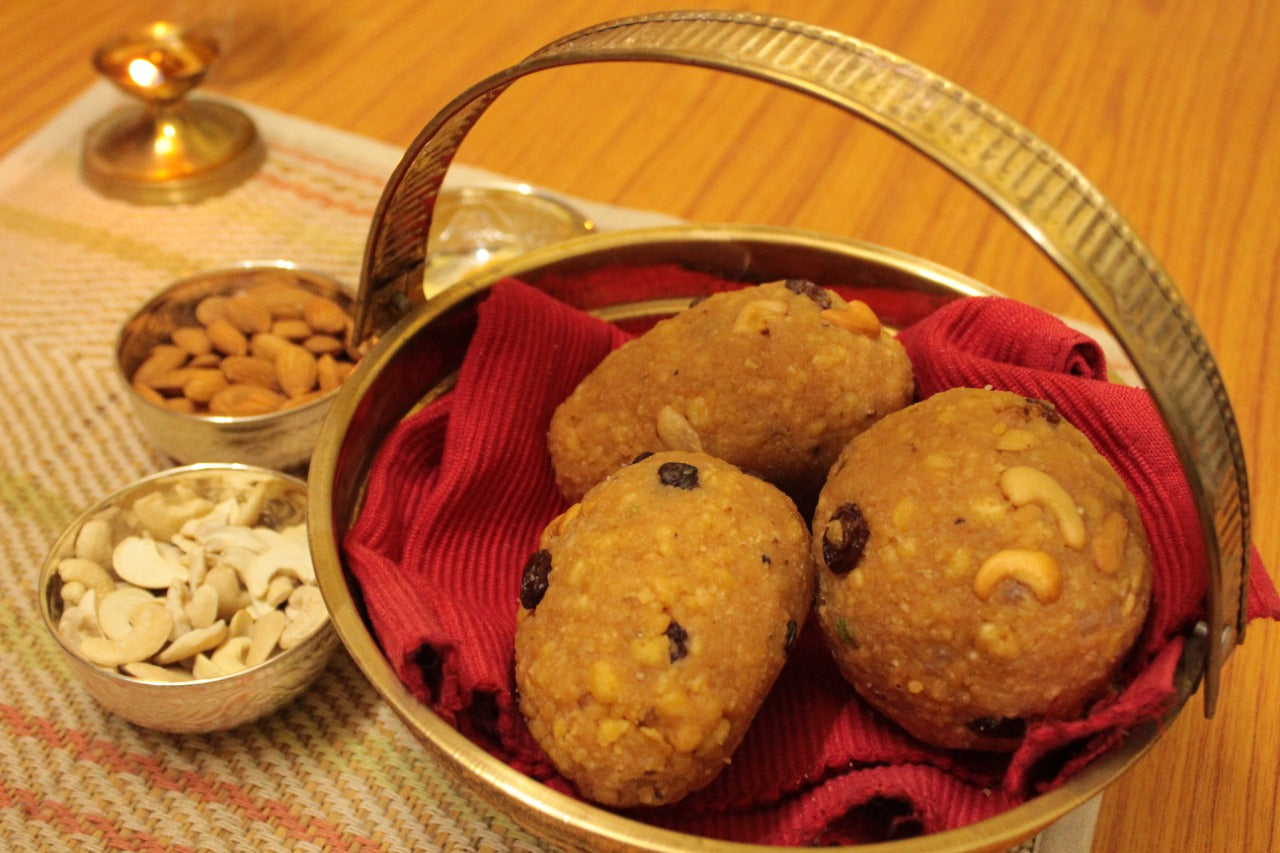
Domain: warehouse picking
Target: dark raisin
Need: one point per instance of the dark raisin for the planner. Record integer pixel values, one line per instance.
(641, 457)
(789, 643)
(1002, 728)
(807, 288)
(679, 640)
(1043, 408)
(682, 475)
(533, 582)
(845, 539)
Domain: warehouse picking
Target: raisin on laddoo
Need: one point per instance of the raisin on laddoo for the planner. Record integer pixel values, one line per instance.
(653, 622)
(980, 566)
(775, 378)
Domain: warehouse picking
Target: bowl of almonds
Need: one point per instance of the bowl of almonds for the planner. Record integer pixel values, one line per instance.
(187, 601)
(238, 364)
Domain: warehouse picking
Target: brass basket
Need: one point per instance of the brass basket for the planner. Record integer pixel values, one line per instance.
(421, 343)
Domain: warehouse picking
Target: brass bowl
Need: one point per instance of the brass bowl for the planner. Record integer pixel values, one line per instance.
(204, 704)
(282, 439)
(419, 357)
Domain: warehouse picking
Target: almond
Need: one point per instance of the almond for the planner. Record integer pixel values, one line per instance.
(321, 344)
(162, 359)
(151, 395)
(240, 400)
(203, 384)
(211, 359)
(325, 316)
(251, 371)
(343, 369)
(211, 308)
(302, 399)
(296, 369)
(327, 372)
(192, 339)
(171, 381)
(284, 299)
(226, 338)
(248, 314)
(293, 329)
(267, 345)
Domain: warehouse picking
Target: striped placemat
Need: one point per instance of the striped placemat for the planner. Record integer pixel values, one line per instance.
(336, 770)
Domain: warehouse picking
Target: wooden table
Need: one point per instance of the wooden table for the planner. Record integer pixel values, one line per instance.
(1170, 108)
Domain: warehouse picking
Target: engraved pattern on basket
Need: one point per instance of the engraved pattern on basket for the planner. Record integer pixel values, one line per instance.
(1046, 197)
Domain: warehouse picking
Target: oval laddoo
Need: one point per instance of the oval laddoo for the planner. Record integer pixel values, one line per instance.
(654, 620)
(775, 378)
(980, 566)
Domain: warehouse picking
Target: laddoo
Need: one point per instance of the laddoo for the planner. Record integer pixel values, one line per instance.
(980, 567)
(775, 378)
(653, 621)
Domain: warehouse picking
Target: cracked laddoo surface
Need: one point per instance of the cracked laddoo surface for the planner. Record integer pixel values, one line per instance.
(654, 620)
(980, 566)
(775, 378)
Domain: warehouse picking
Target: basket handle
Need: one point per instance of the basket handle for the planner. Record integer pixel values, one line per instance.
(1027, 181)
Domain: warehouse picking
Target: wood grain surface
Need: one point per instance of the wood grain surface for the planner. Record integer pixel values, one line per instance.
(1169, 106)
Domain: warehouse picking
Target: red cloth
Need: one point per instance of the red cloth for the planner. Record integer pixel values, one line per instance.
(458, 496)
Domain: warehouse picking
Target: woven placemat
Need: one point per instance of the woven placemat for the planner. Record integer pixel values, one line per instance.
(336, 770)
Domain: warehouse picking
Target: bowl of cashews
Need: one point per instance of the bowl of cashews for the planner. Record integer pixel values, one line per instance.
(187, 601)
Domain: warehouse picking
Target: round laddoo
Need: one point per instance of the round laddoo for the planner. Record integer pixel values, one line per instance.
(980, 567)
(653, 622)
(775, 378)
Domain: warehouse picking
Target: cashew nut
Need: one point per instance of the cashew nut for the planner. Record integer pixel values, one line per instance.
(202, 610)
(998, 641)
(241, 623)
(756, 315)
(675, 431)
(1016, 438)
(163, 515)
(203, 668)
(305, 613)
(71, 593)
(194, 641)
(247, 513)
(1035, 570)
(857, 317)
(227, 584)
(1023, 485)
(230, 656)
(278, 591)
(93, 541)
(263, 637)
(1108, 545)
(116, 609)
(75, 623)
(151, 672)
(140, 562)
(286, 559)
(148, 633)
(88, 573)
(196, 566)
